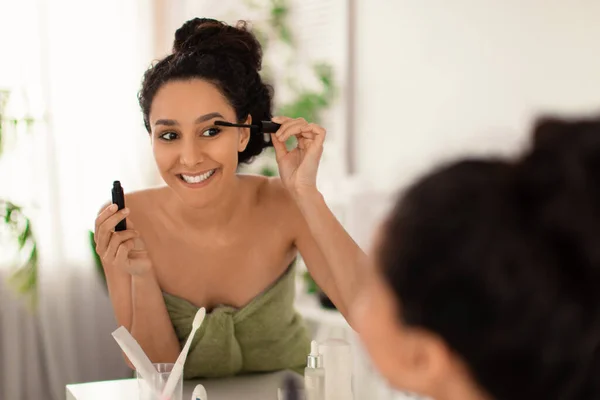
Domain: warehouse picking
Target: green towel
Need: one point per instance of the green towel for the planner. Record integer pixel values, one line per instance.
(265, 335)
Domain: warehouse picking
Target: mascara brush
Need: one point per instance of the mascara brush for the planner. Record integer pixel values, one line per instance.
(261, 126)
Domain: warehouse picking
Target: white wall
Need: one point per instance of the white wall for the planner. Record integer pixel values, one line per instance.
(437, 78)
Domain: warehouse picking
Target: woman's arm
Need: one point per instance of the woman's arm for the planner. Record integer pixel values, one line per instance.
(133, 289)
(118, 282)
(151, 325)
(336, 262)
(119, 292)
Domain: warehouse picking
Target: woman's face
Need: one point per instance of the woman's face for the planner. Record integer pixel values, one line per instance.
(376, 321)
(409, 358)
(197, 159)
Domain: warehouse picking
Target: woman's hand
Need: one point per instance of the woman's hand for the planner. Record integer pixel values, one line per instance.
(298, 167)
(123, 250)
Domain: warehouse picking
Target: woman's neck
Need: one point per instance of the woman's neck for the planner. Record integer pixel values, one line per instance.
(214, 215)
(460, 387)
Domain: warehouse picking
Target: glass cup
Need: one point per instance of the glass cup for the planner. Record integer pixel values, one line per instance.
(145, 386)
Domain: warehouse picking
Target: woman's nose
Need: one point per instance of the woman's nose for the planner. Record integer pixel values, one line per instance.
(192, 154)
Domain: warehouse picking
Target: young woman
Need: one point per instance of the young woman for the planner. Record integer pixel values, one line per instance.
(490, 273)
(214, 238)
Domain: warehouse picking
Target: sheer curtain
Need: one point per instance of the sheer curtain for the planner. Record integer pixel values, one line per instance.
(76, 67)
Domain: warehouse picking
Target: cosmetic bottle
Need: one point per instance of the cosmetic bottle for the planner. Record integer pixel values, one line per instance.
(337, 363)
(314, 374)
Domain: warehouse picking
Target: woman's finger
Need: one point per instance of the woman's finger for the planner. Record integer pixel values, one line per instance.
(123, 250)
(116, 241)
(306, 135)
(106, 228)
(289, 128)
(281, 119)
(294, 129)
(318, 131)
(109, 224)
(103, 216)
(304, 143)
(312, 127)
(309, 131)
(280, 149)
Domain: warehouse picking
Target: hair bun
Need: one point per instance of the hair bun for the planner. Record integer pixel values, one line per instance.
(558, 186)
(572, 146)
(209, 36)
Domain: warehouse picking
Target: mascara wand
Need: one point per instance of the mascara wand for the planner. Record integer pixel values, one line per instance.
(261, 126)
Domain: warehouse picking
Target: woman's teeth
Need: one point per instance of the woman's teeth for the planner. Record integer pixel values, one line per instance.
(197, 178)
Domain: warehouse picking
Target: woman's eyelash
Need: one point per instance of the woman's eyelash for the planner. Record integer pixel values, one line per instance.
(215, 129)
(170, 135)
(164, 134)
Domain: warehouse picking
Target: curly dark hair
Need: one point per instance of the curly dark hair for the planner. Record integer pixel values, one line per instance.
(502, 260)
(230, 57)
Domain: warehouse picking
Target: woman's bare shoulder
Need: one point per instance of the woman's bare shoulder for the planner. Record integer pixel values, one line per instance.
(273, 196)
(268, 191)
(145, 198)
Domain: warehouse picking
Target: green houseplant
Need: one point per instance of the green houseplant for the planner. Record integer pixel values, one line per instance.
(305, 102)
(309, 103)
(18, 237)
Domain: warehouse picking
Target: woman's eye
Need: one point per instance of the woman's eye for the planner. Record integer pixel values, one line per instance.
(211, 132)
(168, 136)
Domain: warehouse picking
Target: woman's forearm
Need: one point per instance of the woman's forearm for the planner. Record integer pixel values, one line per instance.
(151, 325)
(119, 291)
(346, 260)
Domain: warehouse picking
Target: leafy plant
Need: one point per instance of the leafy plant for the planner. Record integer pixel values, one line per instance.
(24, 272)
(308, 103)
(97, 261)
(24, 276)
(4, 94)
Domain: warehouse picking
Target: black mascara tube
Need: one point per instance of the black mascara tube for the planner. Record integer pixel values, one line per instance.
(269, 126)
(261, 126)
(118, 198)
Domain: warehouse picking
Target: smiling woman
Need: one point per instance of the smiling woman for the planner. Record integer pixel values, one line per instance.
(215, 238)
(190, 151)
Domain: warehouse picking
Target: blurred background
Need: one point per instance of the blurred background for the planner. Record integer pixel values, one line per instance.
(400, 85)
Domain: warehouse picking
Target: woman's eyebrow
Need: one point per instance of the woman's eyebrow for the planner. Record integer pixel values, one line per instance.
(202, 118)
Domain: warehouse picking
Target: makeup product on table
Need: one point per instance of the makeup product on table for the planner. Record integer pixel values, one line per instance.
(314, 374)
(291, 389)
(337, 362)
(199, 393)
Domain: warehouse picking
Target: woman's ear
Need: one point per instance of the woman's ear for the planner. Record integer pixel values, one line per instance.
(427, 364)
(244, 135)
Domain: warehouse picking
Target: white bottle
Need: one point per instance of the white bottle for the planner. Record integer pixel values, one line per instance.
(314, 374)
(337, 362)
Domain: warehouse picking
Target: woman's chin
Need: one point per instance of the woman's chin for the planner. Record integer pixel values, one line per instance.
(198, 194)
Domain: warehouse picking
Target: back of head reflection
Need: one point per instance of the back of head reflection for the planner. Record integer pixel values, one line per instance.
(490, 274)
